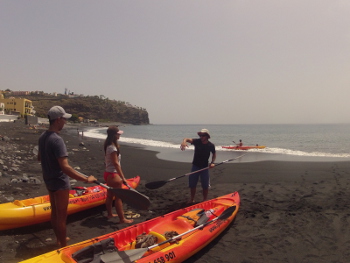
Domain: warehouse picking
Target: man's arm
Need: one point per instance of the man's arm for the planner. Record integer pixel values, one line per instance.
(184, 143)
(68, 170)
(213, 158)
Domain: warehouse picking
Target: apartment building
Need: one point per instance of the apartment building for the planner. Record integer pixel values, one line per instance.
(17, 106)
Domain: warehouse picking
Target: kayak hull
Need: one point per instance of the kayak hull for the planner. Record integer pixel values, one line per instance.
(179, 251)
(36, 210)
(243, 147)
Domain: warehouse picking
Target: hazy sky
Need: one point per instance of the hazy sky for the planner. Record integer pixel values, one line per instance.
(186, 62)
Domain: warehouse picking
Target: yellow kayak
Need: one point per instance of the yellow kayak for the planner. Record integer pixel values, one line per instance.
(36, 210)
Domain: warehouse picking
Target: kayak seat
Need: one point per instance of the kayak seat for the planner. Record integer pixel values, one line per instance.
(183, 222)
(77, 191)
(29, 202)
(79, 188)
(170, 235)
(144, 240)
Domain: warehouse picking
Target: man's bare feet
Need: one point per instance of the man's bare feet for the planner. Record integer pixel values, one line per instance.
(112, 215)
(59, 243)
(126, 221)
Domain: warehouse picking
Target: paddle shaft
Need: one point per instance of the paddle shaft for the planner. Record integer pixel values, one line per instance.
(157, 184)
(130, 196)
(206, 168)
(227, 213)
(108, 187)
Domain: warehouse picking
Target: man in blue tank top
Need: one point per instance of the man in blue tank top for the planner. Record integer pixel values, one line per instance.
(202, 149)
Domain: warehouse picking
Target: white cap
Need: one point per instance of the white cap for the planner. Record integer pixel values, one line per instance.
(58, 112)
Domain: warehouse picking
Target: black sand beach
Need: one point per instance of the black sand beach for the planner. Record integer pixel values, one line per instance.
(290, 211)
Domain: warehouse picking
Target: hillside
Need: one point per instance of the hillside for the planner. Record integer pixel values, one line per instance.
(91, 107)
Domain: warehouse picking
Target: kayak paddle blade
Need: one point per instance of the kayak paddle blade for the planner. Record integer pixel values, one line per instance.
(155, 185)
(227, 213)
(126, 256)
(132, 198)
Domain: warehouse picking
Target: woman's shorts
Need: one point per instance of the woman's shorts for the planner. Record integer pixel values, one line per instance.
(108, 174)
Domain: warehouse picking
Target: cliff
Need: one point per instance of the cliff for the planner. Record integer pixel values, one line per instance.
(91, 107)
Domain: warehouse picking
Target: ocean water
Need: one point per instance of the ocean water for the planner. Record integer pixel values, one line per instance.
(322, 142)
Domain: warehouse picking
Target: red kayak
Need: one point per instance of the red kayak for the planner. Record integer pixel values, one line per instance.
(243, 147)
(173, 237)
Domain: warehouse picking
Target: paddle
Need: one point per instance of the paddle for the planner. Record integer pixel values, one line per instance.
(158, 184)
(129, 196)
(235, 143)
(135, 254)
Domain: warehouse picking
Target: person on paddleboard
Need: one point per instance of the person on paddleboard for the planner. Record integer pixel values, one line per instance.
(53, 156)
(202, 149)
(113, 175)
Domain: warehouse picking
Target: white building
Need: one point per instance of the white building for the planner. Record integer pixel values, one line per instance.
(2, 108)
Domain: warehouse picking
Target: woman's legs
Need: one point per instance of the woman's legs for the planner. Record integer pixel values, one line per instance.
(119, 208)
(115, 181)
(109, 204)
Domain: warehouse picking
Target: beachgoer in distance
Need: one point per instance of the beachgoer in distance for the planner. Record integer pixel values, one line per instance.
(202, 149)
(113, 175)
(56, 170)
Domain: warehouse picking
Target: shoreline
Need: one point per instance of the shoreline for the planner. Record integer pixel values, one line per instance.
(174, 154)
(290, 211)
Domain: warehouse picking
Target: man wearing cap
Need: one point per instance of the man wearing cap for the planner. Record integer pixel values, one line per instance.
(53, 156)
(202, 149)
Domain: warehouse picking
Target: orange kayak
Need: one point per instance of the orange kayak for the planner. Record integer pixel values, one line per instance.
(192, 228)
(243, 147)
(36, 210)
